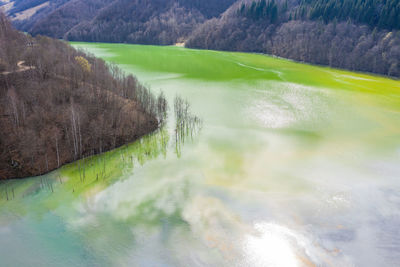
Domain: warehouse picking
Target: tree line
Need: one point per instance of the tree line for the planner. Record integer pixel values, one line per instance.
(383, 14)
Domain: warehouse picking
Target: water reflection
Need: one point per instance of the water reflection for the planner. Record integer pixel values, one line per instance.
(93, 172)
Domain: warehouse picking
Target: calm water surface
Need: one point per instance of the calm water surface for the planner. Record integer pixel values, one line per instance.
(295, 165)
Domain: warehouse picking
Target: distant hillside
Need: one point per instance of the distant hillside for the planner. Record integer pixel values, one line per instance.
(134, 21)
(25, 13)
(138, 21)
(58, 105)
(358, 35)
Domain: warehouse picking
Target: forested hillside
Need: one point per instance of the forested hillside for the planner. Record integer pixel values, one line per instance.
(58, 22)
(138, 21)
(58, 105)
(133, 21)
(353, 34)
(358, 35)
(383, 14)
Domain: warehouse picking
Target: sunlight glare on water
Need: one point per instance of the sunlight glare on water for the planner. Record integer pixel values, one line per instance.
(270, 246)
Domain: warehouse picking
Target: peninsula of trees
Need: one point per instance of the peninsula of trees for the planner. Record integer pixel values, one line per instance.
(58, 105)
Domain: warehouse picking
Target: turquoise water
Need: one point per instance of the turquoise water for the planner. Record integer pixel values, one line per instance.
(295, 165)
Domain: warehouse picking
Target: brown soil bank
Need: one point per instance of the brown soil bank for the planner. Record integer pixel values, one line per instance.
(65, 105)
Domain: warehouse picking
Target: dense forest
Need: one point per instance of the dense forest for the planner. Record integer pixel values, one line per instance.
(358, 35)
(144, 22)
(58, 104)
(383, 14)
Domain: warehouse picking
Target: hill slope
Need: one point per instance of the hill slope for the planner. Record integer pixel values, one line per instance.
(137, 21)
(355, 35)
(58, 105)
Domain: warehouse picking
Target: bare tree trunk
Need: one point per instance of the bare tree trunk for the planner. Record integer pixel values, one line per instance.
(47, 163)
(80, 137)
(58, 154)
(74, 131)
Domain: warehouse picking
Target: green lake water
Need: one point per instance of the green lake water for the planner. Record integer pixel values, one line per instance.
(295, 165)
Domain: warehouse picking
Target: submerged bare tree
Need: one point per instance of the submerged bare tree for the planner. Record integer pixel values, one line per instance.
(186, 124)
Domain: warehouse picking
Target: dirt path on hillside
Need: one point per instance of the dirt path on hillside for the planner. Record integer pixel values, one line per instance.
(21, 68)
